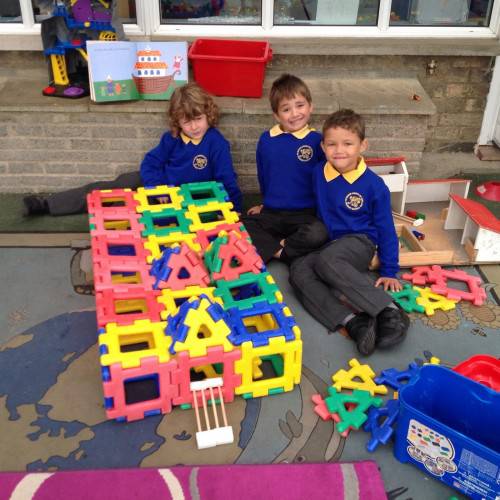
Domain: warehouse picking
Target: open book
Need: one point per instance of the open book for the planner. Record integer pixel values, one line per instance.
(123, 71)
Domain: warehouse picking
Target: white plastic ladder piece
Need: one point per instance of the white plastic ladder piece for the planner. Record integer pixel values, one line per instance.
(218, 435)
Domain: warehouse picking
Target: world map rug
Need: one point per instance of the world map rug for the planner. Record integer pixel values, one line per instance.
(336, 481)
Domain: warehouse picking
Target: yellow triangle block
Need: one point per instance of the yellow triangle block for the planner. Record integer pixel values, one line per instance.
(344, 379)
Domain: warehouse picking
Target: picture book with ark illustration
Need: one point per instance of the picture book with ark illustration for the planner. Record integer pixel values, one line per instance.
(124, 71)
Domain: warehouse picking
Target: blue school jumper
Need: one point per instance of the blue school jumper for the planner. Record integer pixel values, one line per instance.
(358, 202)
(285, 162)
(177, 160)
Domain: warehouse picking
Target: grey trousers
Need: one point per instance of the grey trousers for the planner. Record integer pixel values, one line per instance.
(74, 201)
(339, 269)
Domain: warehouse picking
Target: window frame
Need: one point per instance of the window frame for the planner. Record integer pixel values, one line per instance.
(149, 25)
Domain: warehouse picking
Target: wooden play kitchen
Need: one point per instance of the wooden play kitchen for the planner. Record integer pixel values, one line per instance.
(449, 229)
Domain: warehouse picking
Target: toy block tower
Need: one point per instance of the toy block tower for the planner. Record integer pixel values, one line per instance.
(183, 300)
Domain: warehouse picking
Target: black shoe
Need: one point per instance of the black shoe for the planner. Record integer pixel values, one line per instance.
(361, 329)
(35, 205)
(392, 325)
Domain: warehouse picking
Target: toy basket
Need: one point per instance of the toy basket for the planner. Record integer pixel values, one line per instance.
(230, 67)
(448, 427)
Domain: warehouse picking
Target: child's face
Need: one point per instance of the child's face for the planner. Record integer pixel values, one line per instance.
(195, 128)
(293, 114)
(342, 148)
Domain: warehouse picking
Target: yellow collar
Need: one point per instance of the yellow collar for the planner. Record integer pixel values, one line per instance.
(187, 140)
(299, 134)
(353, 175)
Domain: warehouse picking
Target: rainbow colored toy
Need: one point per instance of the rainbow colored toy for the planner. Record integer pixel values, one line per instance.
(182, 296)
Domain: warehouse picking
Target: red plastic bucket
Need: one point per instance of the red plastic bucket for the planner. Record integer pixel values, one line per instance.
(232, 68)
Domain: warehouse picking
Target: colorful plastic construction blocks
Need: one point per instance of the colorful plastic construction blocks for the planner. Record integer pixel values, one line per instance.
(438, 278)
(355, 416)
(357, 377)
(407, 299)
(183, 299)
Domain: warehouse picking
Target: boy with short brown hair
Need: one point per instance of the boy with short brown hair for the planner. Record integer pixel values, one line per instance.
(354, 203)
(285, 225)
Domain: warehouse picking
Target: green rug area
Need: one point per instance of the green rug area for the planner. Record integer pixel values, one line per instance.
(12, 220)
(476, 180)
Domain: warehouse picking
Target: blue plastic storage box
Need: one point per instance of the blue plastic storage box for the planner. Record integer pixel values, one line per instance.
(449, 426)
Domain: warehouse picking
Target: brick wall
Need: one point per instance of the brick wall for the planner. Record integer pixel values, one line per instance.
(49, 144)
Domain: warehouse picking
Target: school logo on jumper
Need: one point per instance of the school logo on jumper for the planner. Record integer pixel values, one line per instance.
(200, 162)
(305, 153)
(354, 201)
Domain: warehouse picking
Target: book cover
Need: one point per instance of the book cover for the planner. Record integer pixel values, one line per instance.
(124, 71)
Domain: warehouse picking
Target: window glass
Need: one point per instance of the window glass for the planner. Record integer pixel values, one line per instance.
(10, 11)
(211, 11)
(441, 12)
(326, 12)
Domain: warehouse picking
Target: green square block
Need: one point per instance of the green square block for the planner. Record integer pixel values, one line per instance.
(213, 190)
(268, 290)
(148, 219)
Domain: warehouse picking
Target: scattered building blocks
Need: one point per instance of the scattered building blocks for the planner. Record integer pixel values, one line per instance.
(407, 299)
(355, 416)
(156, 199)
(321, 410)
(343, 379)
(418, 276)
(381, 430)
(420, 236)
(431, 301)
(438, 278)
(396, 379)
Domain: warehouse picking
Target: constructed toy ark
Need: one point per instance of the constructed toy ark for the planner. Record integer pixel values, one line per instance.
(184, 302)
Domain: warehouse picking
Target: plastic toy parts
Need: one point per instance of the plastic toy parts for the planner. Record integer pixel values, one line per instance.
(483, 369)
(489, 190)
(185, 319)
(218, 435)
(438, 278)
(346, 379)
(407, 299)
(65, 36)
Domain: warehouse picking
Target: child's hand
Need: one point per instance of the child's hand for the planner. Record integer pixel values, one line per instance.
(255, 210)
(391, 284)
